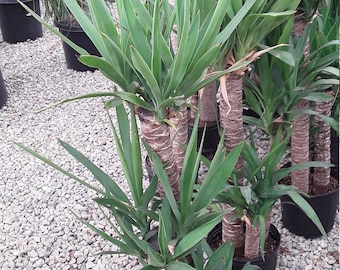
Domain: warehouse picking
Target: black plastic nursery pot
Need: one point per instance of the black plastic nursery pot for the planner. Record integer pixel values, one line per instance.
(295, 220)
(16, 25)
(335, 153)
(3, 92)
(270, 260)
(211, 139)
(78, 36)
(249, 112)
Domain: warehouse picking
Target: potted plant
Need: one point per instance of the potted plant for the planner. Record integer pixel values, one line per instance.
(252, 203)
(137, 54)
(323, 187)
(326, 28)
(3, 92)
(68, 26)
(161, 233)
(15, 25)
(206, 100)
(279, 107)
(149, 73)
(261, 19)
(297, 78)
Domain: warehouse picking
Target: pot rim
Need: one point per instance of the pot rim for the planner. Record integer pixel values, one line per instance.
(273, 232)
(67, 27)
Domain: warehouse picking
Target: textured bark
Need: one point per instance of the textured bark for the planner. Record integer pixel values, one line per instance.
(300, 133)
(298, 28)
(252, 242)
(231, 113)
(232, 230)
(300, 148)
(322, 146)
(268, 222)
(194, 104)
(157, 135)
(231, 121)
(179, 136)
(208, 103)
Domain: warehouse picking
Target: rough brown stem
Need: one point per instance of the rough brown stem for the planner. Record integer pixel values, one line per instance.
(231, 114)
(322, 146)
(252, 241)
(300, 148)
(157, 135)
(179, 136)
(232, 230)
(208, 103)
(194, 104)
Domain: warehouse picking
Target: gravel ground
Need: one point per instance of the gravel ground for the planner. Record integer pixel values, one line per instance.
(37, 229)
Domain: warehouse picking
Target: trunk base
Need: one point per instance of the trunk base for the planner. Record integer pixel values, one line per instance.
(214, 240)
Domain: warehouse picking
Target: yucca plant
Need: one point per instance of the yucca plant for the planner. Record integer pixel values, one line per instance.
(131, 213)
(266, 95)
(305, 79)
(252, 202)
(261, 19)
(57, 10)
(137, 54)
(325, 29)
(134, 215)
(307, 9)
(189, 220)
(138, 220)
(300, 137)
(295, 78)
(270, 97)
(206, 97)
